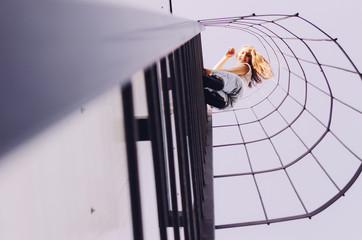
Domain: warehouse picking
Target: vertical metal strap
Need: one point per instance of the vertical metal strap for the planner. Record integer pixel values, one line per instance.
(192, 131)
(182, 150)
(171, 160)
(132, 161)
(170, 2)
(156, 135)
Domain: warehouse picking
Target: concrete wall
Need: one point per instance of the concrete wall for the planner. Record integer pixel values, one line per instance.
(71, 180)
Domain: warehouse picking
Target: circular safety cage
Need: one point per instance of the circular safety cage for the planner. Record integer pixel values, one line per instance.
(291, 147)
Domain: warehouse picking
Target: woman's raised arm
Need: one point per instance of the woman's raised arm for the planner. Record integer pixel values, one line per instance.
(241, 69)
(238, 70)
(228, 54)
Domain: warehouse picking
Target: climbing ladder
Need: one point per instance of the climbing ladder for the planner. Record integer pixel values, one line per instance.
(291, 147)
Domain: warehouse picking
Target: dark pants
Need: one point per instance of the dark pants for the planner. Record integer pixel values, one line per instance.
(213, 98)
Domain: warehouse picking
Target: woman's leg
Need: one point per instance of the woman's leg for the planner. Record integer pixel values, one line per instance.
(214, 99)
(212, 82)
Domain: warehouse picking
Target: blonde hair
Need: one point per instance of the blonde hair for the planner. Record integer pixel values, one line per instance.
(260, 68)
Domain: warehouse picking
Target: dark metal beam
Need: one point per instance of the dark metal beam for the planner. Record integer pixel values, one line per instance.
(132, 161)
(158, 148)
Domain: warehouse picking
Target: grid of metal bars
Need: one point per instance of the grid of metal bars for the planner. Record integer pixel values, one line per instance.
(177, 127)
(276, 34)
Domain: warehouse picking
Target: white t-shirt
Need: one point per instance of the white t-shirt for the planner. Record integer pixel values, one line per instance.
(233, 82)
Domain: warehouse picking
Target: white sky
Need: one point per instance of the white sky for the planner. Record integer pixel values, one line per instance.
(339, 19)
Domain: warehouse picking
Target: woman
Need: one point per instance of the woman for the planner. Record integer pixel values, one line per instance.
(223, 87)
